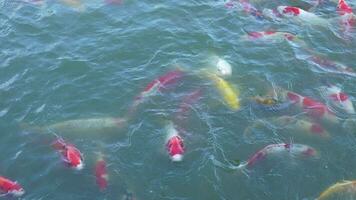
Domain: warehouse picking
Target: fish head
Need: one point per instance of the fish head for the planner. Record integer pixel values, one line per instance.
(288, 11)
(16, 190)
(223, 67)
(74, 158)
(175, 148)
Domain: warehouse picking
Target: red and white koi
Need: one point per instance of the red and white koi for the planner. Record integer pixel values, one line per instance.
(313, 108)
(101, 173)
(339, 99)
(347, 17)
(301, 15)
(273, 149)
(157, 84)
(174, 143)
(246, 6)
(331, 66)
(10, 187)
(70, 154)
(274, 36)
(292, 124)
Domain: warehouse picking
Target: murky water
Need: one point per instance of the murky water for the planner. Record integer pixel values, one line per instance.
(63, 62)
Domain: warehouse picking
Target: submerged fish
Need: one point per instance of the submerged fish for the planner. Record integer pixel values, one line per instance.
(77, 4)
(339, 99)
(187, 102)
(101, 173)
(10, 187)
(230, 95)
(157, 85)
(301, 16)
(289, 123)
(331, 66)
(347, 17)
(174, 143)
(340, 187)
(84, 126)
(272, 36)
(70, 154)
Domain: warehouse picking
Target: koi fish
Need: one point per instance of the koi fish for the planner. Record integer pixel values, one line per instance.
(301, 15)
(271, 14)
(88, 126)
(301, 126)
(70, 154)
(331, 66)
(339, 99)
(174, 143)
(101, 173)
(275, 36)
(10, 187)
(344, 186)
(347, 17)
(272, 149)
(77, 4)
(313, 108)
(224, 68)
(250, 9)
(158, 84)
(229, 94)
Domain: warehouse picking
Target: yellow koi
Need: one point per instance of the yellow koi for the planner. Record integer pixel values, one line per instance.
(344, 186)
(229, 94)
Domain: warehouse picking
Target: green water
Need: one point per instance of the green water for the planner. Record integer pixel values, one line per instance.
(59, 63)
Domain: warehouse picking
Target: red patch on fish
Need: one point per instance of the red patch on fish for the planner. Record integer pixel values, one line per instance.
(291, 10)
(171, 77)
(101, 174)
(255, 35)
(8, 186)
(309, 152)
(314, 108)
(339, 97)
(317, 129)
(344, 8)
(70, 154)
(175, 146)
(294, 97)
(261, 155)
(289, 37)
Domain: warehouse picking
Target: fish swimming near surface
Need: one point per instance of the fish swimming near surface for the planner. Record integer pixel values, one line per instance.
(302, 16)
(273, 36)
(292, 124)
(77, 4)
(223, 67)
(298, 150)
(331, 66)
(229, 94)
(9, 187)
(174, 143)
(101, 173)
(313, 108)
(246, 6)
(89, 126)
(339, 99)
(70, 154)
(156, 86)
(347, 17)
(340, 187)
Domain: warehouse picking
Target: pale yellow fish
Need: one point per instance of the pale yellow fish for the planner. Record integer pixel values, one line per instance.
(344, 186)
(229, 93)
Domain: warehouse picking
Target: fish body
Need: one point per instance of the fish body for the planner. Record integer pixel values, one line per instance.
(77, 4)
(158, 84)
(339, 99)
(101, 173)
(347, 17)
(85, 126)
(313, 108)
(294, 149)
(70, 154)
(331, 66)
(174, 143)
(295, 125)
(229, 94)
(10, 187)
(344, 186)
(272, 36)
(250, 9)
(301, 15)
(188, 101)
